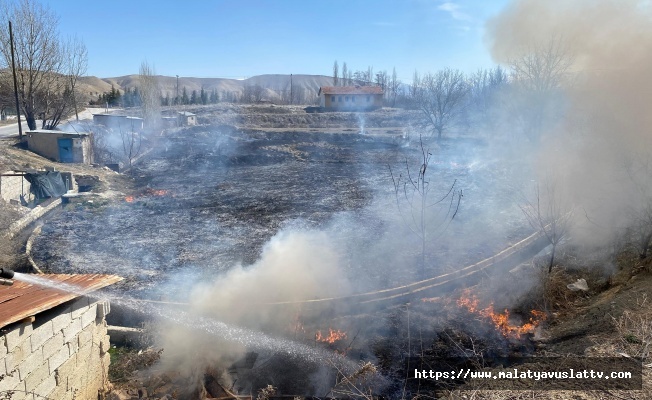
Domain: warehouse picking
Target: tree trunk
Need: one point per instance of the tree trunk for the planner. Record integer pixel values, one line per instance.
(552, 258)
(31, 121)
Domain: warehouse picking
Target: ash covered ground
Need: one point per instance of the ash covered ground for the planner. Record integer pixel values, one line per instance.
(210, 197)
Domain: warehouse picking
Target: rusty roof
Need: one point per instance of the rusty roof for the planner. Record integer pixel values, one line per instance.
(350, 90)
(23, 300)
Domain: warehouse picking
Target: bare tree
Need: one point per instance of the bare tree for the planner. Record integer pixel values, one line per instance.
(548, 213)
(131, 143)
(61, 97)
(150, 95)
(252, 93)
(639, 171)
(346, 81)
(440, 97)
(42, 62)
(77, 57)
(537, 77)
(394, 87)
(484, 87)
(336, 73)
(417, 206)
(382, 80)
(542, 67)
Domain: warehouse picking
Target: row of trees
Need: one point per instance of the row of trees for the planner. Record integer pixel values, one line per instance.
(47, 65)
(132, 98)
(526, 91)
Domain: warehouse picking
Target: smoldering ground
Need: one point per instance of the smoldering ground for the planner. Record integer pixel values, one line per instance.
(253, 218)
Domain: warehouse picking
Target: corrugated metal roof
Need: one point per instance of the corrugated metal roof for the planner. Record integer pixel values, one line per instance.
(350, 90)
(22, 300)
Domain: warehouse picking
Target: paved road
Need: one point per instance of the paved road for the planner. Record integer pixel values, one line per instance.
(12, 130)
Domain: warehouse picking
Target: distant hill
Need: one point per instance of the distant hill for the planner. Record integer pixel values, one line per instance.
(275, 86)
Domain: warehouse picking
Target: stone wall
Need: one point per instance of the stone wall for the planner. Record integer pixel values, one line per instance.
(62, 354)
(11, 187)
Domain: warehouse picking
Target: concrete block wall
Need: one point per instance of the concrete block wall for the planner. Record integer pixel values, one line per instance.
(11, 187)
(62, 355)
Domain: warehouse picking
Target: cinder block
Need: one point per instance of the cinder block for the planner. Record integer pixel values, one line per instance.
(103, 309)
(37, 376)
(58, 358)
(62, 320)
(30, 364)
(73, 346)
(19, 393)
(9, 381)
(3, 347)
(84, 337)
(59, 392)
(72, 330)
(16, 356)
(41, 335)
(44, 389)
(89, 316)
(53, 345)
(18, 335)
(105, 344)
(79, 306)
(66, 370)
(84, 355)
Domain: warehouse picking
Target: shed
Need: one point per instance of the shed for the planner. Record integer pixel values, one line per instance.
(119, 122)
(64, 147)
(54, 343)
(187, 118)
(350, 98)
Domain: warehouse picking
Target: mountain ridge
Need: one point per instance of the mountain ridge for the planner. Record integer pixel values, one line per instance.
(275, 86)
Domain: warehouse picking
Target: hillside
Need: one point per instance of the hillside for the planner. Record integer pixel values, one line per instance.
(275, 86)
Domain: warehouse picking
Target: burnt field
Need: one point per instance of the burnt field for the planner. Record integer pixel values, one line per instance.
(233, 222)
(208, 198)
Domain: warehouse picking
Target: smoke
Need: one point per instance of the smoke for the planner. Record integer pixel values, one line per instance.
(294, 265)
(599, 146)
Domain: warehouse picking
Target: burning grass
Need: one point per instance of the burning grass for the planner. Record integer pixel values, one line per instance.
(332, 337)
(502, 321)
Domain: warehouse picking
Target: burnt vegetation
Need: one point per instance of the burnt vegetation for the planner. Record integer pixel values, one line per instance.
(475, 218)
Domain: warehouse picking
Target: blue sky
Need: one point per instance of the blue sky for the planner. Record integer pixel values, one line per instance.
(242, 38)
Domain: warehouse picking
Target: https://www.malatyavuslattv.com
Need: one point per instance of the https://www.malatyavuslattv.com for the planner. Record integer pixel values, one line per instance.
(468, 373)
(544, 373)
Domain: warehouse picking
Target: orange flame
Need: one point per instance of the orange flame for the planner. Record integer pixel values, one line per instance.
(333, 336)
(501, 320)
(147, 192)
(155, 192)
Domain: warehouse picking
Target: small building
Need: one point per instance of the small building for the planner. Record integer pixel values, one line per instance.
(54, 343)
(350, 98)
(120, 122)
(169, 122)
(64, 147)
(187, 118)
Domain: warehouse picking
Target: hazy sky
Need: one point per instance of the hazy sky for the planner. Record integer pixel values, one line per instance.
(242, 38)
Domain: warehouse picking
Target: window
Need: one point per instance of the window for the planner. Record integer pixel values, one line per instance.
(333, 99)
(346, 98)
(339, 98)
(353, 99)
(368, 99)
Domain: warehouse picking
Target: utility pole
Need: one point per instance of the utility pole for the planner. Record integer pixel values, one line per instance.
(290, 88)
(13, 68)
(176, 100)
(74, 98)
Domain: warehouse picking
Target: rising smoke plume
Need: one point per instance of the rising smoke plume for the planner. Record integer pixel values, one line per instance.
(600, 145)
